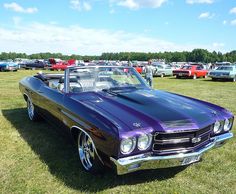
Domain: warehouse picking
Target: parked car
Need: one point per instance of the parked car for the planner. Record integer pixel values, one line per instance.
(162, 70)
(61, 66)
(8, 66)
(139, 68)
(224, 72)
(116, 120)
(34, 64)
(192, 71)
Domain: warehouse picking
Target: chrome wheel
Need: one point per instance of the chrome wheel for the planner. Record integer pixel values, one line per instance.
(194, 76)
(86, 151)
(30, 108)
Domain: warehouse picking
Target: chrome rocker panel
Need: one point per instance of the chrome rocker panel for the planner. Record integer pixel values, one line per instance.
(147, 161)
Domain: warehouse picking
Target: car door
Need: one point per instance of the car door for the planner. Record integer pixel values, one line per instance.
(199, 71)
(168, 70)
(51, 102)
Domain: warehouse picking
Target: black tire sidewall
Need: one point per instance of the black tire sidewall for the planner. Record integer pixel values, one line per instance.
(97, 166)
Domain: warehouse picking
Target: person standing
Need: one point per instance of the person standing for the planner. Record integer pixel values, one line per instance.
(149, 73)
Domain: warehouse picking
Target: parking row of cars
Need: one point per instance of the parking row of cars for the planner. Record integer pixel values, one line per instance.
(191, 70)
(53, 64)
(195, 71)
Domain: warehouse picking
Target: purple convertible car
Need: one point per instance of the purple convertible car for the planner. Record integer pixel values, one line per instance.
(116, 120)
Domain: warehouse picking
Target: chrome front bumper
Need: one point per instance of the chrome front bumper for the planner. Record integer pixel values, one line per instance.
(221, 76)
(148, 161)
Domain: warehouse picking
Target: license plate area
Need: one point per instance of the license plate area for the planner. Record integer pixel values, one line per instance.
(191, 159)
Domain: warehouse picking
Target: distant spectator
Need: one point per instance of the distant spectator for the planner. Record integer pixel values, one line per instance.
(148, 73)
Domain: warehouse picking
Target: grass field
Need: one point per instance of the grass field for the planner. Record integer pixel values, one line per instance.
(34, 158)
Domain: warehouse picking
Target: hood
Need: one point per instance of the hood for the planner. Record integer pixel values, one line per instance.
(220, 71)
(152, 109)
(9, 64)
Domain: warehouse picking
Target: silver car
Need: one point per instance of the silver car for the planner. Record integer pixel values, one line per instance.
(162, 70)
(224, 72)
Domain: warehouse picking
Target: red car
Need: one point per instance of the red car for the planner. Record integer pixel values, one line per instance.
(63, 65)
(193, 71)
(138, 68)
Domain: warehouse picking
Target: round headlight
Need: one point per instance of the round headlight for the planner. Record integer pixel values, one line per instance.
(227, 124)
(127, 145)
(217, 127)
(144, 141)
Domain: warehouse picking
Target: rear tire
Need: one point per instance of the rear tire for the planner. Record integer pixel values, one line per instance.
(88, 154)
(32, 113)
(178, 77)
(234, 79)
(194, 76)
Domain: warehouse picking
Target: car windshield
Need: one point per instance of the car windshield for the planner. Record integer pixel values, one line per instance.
(225, 68)
(186, 67)
(104, 78)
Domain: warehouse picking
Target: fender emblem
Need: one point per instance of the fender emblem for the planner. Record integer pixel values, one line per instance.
(137, 125)
(196, 139)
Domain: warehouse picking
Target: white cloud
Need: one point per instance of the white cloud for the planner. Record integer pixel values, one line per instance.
(87, 6)
(233, 10)
(218, 44)
(17, 8)
(199, 1)
(206, 15)
(233, 22)
(16, 20)
(80, 5)
(136, 4)
(36, 37)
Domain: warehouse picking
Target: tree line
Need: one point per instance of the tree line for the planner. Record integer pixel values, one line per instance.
(196, 55)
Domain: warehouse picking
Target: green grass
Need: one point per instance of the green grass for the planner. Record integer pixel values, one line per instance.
(35, 158)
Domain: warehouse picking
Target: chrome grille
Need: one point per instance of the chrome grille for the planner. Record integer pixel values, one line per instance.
(171, 143)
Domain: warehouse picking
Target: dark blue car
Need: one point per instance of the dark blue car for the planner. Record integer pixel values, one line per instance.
(34, 64)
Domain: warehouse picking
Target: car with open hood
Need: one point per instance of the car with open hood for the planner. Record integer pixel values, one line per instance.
(117, 120)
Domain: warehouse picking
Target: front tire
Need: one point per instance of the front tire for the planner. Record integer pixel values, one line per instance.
(32, 113)
(88, 154)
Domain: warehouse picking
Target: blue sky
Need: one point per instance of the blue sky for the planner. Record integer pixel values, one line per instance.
(96, 26)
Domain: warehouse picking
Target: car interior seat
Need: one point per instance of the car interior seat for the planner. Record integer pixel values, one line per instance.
(74, 85)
